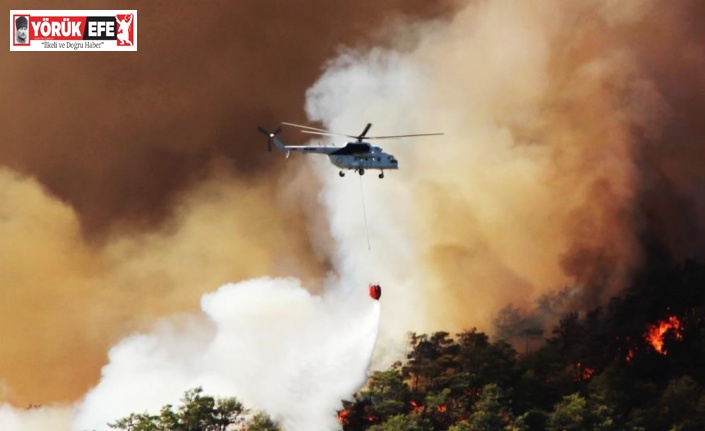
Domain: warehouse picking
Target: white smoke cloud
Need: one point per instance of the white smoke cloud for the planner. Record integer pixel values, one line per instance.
(35, 419)
(470, 220)
(502, 207)
(268, 342)
(372, 220)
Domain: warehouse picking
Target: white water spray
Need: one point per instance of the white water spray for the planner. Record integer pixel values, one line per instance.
(267, 341)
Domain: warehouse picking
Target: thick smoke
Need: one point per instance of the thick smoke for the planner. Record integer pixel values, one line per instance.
(119, 136)
(267, 341)
(270, 342)
(571, 152)
(132, 183)
(571, 158)
(65, 301)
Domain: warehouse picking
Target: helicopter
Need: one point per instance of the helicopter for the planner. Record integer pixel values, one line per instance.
(356, 155)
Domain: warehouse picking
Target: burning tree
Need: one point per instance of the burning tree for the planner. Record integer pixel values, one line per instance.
(611, 368)
(656, 333)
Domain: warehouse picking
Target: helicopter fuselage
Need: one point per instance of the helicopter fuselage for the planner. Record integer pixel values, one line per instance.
(356, 155)
(362, 155)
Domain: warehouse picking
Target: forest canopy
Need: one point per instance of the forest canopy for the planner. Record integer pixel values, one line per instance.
(636, 364)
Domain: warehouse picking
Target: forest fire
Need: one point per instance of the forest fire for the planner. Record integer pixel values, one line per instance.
(583, 372)
(343, 416)
(656, 333)
(416, 407)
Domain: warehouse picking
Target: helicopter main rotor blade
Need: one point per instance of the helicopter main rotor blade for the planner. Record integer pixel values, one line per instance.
(327, 134)
(316, 131)
(405, 136)
(360, 137)
(304, 127)
(364, 132)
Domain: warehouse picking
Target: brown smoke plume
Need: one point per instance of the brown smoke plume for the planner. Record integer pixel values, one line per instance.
(576, 152)
(131, 183)
(65, 301)
(119, 136)
(571, 154)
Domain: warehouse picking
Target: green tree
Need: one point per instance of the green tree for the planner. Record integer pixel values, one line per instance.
(481, 362)
(431, 361)
(576, 413)
(200, 412)
(388, 394)
(262, 422)
(412, 422)
(197, 412)
(492, 412)
(168, 419)
(679, 404)
(441, 409)
(137, 422)
(569, 414)
(228, 411)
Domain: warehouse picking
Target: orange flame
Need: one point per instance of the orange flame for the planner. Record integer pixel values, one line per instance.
(442, 408)
(473, 392)
(416, 407)
(583, 373)
(630, 355)
(656, 333)
(343, 417)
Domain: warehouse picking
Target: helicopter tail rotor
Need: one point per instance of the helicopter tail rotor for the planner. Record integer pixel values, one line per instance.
(270, 135)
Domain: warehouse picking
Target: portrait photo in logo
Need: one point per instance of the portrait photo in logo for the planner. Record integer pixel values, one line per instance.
(21, 30)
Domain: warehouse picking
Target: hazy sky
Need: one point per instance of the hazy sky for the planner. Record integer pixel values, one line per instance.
(105, 157)
(133, 183)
